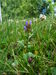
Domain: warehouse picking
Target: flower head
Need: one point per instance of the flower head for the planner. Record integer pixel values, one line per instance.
(25, 28)
(26, 23)
(30, 59)
(42, 17)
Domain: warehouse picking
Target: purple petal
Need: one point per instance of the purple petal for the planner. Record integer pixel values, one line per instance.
(26, 23)
(30, 22)
(25, 28)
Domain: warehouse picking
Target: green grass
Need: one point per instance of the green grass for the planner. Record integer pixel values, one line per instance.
(17, 46)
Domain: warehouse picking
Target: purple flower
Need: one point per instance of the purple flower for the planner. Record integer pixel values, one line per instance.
(26, 23)
(30, 59)
(25, 28)
(30, 22)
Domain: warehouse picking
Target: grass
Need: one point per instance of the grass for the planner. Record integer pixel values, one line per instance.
(17, 46)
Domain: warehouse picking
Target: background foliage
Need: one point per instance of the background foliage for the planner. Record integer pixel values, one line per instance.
(25, 8)
(32, 53)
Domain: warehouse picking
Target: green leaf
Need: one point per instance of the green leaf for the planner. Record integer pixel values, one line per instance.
(54, 71)
(30, 54)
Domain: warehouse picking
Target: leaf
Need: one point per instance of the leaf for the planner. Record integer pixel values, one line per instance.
(25, 57)
(21, 43)
(54, 71)
(30, 54)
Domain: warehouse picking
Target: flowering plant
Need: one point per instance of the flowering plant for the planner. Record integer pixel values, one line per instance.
(27, 26)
